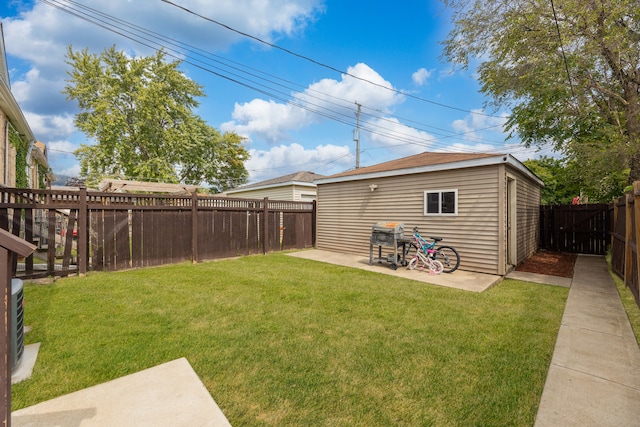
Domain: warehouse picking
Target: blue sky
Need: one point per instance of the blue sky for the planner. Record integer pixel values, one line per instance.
(296, 109)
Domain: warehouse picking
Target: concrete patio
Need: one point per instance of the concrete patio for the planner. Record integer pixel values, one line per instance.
(459, 279)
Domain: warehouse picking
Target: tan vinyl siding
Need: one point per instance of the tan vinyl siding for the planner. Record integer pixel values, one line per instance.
(529, 195)
(275, 193)
(347, 211)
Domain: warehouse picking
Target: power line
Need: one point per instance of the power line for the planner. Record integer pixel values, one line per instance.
(149, 39)
(202, 60)
(321, 64)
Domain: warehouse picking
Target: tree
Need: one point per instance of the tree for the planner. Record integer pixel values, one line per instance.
(559, 188)
(139, 112)
(569, 70)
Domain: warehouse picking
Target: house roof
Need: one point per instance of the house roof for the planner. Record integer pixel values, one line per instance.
(299, 178)
(428, 162)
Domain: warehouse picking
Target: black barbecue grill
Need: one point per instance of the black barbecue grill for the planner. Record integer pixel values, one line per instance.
(388, 234)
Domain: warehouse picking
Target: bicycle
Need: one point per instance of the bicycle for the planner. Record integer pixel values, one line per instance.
(447, 255)
(423, 262)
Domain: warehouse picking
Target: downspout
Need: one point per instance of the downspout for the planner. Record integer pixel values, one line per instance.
(7, 146)
(28, 168)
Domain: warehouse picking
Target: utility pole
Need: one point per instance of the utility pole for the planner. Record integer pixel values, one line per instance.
(356, 136)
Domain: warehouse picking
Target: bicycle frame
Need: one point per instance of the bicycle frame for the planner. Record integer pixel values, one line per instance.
(423, 261)
(427, 247)
(447, 255)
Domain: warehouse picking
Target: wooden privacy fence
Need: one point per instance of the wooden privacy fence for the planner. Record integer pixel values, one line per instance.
(80, 230)
(624, 239)
(580, 229)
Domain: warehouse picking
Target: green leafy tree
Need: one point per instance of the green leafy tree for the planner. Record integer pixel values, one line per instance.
(139, 113)
(559, 187)
(569, 70)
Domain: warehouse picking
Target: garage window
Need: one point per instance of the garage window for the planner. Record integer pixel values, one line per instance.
(441, 202)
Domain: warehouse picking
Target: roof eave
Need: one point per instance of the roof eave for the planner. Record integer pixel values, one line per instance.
(485, 161)
(270, 186)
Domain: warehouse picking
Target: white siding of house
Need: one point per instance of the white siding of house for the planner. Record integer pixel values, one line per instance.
(303, 194)
(346, 211)
(274, 193)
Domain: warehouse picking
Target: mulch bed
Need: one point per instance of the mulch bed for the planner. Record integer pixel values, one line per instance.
(550, 263)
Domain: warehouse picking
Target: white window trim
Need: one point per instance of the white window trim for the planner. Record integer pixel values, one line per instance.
(424, 204)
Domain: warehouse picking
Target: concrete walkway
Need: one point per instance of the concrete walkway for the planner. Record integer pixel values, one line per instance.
(594, 377)
(168, 395)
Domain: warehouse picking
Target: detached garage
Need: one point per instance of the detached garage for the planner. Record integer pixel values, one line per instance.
(484, 205)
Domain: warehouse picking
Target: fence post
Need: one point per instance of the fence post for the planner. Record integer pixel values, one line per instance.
(313, 224)
(194, 227)
(265, 225)
(9, 246)
(83, 233)
(636, 212)
(628, 237)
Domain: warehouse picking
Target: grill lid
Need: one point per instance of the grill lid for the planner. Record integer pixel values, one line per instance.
(388, 227)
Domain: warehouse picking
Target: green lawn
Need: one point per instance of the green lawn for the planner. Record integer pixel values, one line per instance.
(282, 341)
(629, 303)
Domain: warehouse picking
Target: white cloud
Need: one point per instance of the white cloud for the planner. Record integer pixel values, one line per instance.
(268, 119)
(72, 171)
(62, 146)
(42, 34)
(37, 39)
(421, 76)
(361, 84)
(273, 121)
(458, 147)
(399, 138)
(285, 159)
(46, 127)
(471, 126)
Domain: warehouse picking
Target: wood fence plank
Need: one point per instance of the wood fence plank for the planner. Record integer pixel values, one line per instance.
(123, 247)
(136, 238)
(157, 229)
(68, 241)
(575, 228)
(28, 236)
(98, 236)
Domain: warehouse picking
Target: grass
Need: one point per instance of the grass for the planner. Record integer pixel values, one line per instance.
(284, 341)
(629, 303)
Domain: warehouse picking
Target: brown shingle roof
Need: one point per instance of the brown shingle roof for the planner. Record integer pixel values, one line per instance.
(308, 177)
(418, 160)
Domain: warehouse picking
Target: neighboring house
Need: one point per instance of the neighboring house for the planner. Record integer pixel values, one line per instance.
(38, 169)
(12, 121)
(484, 205)
(297, 187)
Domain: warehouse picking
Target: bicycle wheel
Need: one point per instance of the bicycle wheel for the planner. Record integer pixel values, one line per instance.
(436, 266)
(448, 257)
(413, 263)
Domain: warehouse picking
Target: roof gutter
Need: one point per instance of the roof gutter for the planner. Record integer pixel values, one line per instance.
(279, 184)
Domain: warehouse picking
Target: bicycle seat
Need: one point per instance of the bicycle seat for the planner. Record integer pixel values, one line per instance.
(436, 239)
